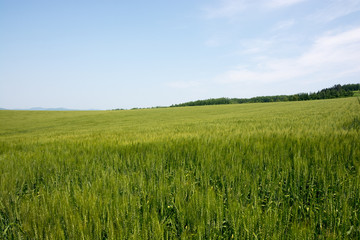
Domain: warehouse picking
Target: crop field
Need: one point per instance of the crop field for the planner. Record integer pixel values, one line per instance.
(287, 170)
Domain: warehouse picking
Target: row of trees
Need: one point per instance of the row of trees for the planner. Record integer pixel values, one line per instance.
(336, 91)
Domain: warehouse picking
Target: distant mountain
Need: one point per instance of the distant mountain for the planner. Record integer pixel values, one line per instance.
(50, 109)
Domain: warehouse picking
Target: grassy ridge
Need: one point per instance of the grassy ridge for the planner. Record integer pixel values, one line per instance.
(275, 170)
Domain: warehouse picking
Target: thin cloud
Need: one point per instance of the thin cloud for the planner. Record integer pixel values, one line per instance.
(283, 3)
(232, 8)
(336, 9)
(226, 9)
(284, 25)
(331, 56)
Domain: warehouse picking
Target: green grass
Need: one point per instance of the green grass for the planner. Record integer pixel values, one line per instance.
(259, 171)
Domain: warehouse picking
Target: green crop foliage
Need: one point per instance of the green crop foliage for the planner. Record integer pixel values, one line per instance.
(287, 170)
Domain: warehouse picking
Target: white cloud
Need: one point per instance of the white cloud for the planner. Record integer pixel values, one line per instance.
(282, 3)
(336, 9)
(332, 56)
(232, 8)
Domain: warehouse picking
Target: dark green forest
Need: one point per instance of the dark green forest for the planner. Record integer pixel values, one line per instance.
(336, 91)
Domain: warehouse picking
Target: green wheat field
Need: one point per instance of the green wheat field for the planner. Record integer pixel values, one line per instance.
(287, 170)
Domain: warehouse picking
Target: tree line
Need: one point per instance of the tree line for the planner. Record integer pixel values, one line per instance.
(337, 91)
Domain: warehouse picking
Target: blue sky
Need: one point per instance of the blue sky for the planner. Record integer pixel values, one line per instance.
(122, 54)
